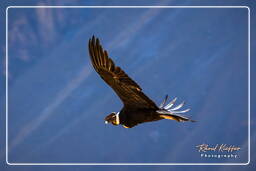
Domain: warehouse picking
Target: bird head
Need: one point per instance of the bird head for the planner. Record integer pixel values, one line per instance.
(113, 118)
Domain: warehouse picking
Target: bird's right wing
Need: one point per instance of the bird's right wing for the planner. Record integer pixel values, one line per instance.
(128, 90)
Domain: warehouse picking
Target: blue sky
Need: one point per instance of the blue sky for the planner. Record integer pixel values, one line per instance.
(57, 102)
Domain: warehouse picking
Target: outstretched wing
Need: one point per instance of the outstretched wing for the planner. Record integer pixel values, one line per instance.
(128, 90)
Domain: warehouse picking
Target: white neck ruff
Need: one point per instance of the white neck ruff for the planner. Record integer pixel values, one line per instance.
(117, 118)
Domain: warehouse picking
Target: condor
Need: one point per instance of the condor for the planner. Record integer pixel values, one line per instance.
(138, 108)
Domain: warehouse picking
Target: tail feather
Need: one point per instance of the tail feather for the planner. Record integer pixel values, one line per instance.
(163, 103)
(170, 104)
(170, 112)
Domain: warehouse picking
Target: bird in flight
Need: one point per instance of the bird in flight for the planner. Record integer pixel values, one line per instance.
(138, 108)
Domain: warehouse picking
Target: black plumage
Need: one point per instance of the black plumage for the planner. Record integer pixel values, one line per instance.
(138, 108)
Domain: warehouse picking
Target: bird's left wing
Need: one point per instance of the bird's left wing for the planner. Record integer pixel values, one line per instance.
(128, 90)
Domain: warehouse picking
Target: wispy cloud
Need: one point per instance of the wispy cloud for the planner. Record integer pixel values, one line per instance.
(68, 127)
(48, 111)
(126, 35)
(63, 93)
(46, 24)
(21, 37)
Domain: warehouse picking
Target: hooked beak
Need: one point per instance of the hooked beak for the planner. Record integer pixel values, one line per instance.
(106, 122)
